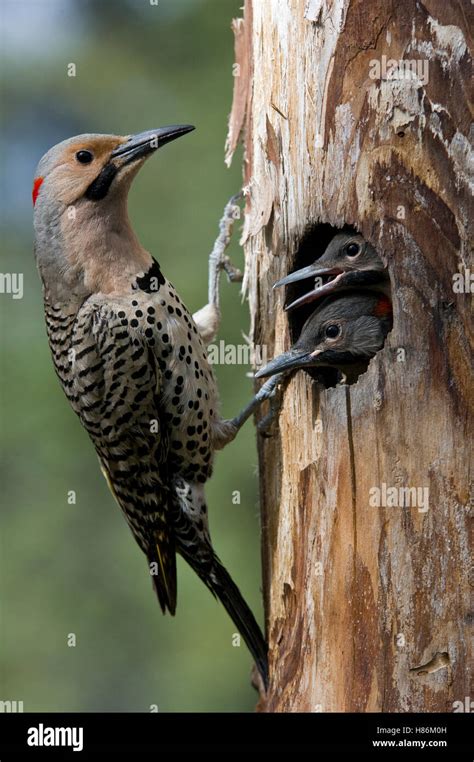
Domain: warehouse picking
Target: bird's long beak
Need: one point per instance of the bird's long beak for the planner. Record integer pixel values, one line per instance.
(306, 272)
(291, 360)
(144, 143)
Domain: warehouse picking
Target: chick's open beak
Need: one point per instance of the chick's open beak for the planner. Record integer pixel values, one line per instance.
(312, 271)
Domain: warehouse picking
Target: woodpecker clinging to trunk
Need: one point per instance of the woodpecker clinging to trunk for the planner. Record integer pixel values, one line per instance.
(346, 330)
(132, 362)
(348, 262)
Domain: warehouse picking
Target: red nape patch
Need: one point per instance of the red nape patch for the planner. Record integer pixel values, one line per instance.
(383, 308)
(36, 187)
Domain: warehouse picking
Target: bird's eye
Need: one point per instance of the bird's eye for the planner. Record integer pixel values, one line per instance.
(84, 157)
(332, 331)
(353, 250)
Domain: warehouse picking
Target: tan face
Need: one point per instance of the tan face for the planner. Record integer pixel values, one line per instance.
(75, 165)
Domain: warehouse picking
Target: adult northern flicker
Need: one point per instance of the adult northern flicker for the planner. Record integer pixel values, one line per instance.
(348, 262)
(132, 362)
(346, 330)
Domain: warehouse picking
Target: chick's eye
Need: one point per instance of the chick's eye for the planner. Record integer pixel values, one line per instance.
(353, 249)
(332, 331)
(84, 157)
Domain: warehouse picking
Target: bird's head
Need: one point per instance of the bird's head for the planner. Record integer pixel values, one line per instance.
(349, 261)
(87, 169)
(348, 329)
(80, 194)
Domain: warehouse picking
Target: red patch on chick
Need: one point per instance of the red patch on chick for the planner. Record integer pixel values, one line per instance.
(383, 308)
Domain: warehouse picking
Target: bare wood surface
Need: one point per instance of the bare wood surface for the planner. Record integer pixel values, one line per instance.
(368, 608)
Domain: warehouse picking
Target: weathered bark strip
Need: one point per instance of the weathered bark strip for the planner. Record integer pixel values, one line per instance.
(359, 598)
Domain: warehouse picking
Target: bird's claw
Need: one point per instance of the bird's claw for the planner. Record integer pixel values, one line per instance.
(274, 394)
(234, 275)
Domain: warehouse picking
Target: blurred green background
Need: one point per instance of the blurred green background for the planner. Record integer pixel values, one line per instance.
(76, 568)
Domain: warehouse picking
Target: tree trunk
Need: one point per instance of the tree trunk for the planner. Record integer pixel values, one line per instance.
(368, 608)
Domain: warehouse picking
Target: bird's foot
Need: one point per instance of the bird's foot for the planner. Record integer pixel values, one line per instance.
(218, 260)
(268, 391)
(234, 275)
(268, 424)
(208, 318)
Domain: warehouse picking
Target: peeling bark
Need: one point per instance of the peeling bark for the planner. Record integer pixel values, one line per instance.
(368, 609)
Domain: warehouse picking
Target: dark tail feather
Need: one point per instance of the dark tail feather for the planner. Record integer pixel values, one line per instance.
(200, 556)
(222, 585)
(162, 565)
